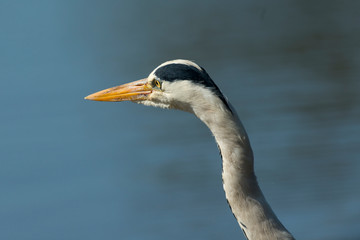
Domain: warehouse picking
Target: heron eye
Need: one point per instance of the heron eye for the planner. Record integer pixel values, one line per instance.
(157, 84)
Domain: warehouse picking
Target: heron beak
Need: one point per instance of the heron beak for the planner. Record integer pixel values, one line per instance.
(133, 91)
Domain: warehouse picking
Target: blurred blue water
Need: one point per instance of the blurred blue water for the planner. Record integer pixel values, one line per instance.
(72, 169)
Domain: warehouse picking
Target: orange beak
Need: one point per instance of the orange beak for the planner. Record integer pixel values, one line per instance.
(133, 91)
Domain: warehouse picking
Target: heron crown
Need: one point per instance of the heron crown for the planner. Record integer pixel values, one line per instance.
(181, 70)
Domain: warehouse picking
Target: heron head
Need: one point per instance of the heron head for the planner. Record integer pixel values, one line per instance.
(178, 84)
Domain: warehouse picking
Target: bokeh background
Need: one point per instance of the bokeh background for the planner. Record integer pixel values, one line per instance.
(75, 169)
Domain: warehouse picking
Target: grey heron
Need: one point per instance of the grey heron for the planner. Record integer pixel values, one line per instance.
(184, 85)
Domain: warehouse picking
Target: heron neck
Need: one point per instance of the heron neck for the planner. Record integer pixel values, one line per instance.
(247, 202)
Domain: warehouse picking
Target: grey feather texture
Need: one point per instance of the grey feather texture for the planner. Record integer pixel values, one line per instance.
(186, 86)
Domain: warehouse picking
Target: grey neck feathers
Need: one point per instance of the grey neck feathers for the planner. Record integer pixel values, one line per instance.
(242, 191)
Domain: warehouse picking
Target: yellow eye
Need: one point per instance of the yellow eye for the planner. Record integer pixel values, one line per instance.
(157, 84)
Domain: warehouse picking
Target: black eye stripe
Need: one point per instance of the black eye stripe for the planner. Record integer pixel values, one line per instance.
(172, 72)
(177, 72)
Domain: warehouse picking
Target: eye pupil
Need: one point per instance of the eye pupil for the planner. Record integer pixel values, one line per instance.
(157, 84)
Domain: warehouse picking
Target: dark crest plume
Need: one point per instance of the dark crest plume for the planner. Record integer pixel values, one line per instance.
(177, 72)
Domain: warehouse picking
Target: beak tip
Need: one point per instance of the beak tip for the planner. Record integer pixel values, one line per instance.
(90, 97)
